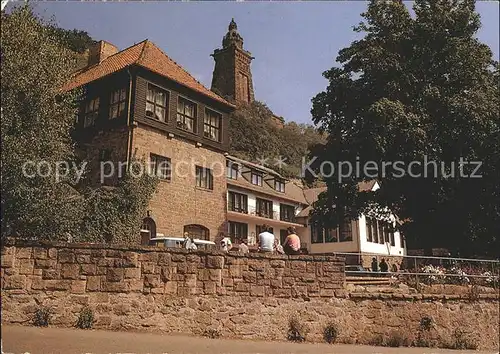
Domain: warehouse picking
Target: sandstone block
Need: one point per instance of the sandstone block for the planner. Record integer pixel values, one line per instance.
(235, 271)
(326, 293)
(227, 282)
(24, 252)
(283, 292)
(121, 309)
(88, 269)
(242, 287)
(15, 282)
(276, 283)
(135, 285)
(249, 276)
(178, 258)
(37, 283)
(26, 266)
(94, 283)
(40, 253)
(299, 291)
(182, 267)
(130, 259)
(80, 299)
(256, 290)
(52, 253)
(83, 258)
(57, 285)
(113, 253)
(277, 263)
(114, 274)
(45, 263)
(148, 257)
(216, 262)
(171, 287)
(70, 271)
(115, 287)
(151, 281)
(7, 261)
(148, 268)
(78, 286)
(50, 274)
(132, 273)
(164, 258)
(66, 256)
(209, 287)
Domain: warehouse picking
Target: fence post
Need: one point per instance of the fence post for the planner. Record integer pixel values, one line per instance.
(416, 271)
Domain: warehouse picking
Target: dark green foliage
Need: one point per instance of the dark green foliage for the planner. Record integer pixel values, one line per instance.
(75, 40)
(253, 135)
(114, 214)
(85, 318)
(416, 89)
(330, 333)
(35, 125)
(397, 339)
(37, 119)
(42, 317)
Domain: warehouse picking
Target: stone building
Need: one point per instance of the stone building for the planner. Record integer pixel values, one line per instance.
(257, 195)
(232, 76)
(139, 104)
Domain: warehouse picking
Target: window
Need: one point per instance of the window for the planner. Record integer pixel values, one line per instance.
(287, 212)
(117, 103)
(186, 115)
(91, 112)
(369, 234)
(156, 103)
(256, 178)
(204, 178)
(237, 231)
(316, 234)
(331, 235)
(258, 230)
(232, 170)
(391, 236)
(401, 240)
(264, 208)
(197, 231)
(279, 185)
(380, 227)
(345, 230)
(374, 230)
(237, 202)
(161, 167)
(212, 125)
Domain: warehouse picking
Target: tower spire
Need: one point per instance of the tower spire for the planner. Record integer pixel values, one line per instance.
(232, 77)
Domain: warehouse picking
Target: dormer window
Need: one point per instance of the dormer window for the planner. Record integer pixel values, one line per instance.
(232, 170)
(117, 103)
(256, 178)
(279, 185)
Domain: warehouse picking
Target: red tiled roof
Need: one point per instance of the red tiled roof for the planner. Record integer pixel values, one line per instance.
(149, 56)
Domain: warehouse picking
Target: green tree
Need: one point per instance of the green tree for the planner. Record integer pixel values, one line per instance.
(416, 89)
(36, 121)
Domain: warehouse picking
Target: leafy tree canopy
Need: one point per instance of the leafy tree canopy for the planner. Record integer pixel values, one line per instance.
(419, 88)
(36, 122)
(254, 135)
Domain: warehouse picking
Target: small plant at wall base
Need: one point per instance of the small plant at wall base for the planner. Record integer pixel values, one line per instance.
(461, 340)
(297, 331)
(86, 318)
(42, 317)
(397, 339)
(330, 333)
(212, 333)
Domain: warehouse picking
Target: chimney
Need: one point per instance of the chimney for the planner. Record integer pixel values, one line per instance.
(100, 51)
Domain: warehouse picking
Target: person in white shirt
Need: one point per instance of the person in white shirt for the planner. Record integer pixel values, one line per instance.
(266, 240)
(189, 242)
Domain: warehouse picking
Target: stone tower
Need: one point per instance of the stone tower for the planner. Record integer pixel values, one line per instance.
(232, 77)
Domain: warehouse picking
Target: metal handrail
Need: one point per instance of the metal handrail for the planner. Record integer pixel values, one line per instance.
(420, 257)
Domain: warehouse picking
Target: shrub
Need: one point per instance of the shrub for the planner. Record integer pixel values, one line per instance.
(42, 317)
(85, 319)
(212, 333)
(461, 340)
(397, 339)
(377, 340)
(297, 330)
(330, 333)
(425, 323)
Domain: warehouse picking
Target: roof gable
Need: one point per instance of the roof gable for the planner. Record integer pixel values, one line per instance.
(147, 55)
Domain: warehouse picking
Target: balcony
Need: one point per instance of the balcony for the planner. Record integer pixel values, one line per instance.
(254, 212)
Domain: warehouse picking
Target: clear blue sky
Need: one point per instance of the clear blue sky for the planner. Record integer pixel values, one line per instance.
(292, 42)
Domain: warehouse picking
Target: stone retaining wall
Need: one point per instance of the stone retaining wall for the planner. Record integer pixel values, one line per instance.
(143, 288)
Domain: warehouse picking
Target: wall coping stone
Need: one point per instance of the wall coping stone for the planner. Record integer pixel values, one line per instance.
(144, 249)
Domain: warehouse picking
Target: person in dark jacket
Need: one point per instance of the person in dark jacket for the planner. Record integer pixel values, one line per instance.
(384, 267)
(374, 265)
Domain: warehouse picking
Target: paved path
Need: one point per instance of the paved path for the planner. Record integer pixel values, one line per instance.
(33, 340)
